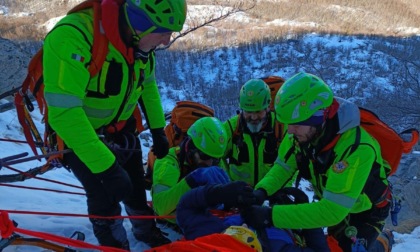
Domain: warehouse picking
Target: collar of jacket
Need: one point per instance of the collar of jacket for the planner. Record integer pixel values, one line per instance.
(110, 24)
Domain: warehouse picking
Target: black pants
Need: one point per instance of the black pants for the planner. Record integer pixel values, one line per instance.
(369, 225)
(97, 201)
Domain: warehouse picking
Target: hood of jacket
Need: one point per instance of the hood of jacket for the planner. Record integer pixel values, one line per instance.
(348, 115)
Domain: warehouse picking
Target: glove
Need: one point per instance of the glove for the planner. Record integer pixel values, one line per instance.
(260, 196)
(258, 216)
(207, 175)
(116, 182)
(160, 143)
(234, 194)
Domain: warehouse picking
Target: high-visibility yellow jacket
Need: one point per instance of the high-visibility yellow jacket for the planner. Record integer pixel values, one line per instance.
(341, 185)
(78, 105)
(249, 156)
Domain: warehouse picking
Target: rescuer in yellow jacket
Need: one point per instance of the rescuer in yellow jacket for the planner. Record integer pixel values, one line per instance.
(93, 115)
(343, 162)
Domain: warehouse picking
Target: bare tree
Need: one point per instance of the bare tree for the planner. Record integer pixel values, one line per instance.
(214, 16)
(404, 100)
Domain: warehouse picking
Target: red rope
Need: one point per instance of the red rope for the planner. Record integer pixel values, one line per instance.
(7, 228)
(44, 179)
(41, 189)
(6, 225)
(88, 215)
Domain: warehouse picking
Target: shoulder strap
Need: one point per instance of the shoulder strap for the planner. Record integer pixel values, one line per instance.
(35, 68)
(24, 105)
(83, 6)
(100, 41)
(232, 131)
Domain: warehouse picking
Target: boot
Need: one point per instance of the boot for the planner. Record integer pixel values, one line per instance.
(145, 230)
(154, 238)
(110, 233)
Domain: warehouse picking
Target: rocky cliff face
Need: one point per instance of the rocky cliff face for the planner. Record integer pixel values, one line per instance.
(406, 186)
(13, 64)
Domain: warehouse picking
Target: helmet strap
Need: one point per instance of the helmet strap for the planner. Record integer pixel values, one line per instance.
(138, 36)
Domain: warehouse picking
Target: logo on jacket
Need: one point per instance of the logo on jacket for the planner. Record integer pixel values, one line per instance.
(340, 166)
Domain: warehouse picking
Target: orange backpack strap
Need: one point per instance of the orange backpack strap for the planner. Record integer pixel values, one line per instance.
(278, 131)
(100, 41)
(237, 131)
(34, 81)
(275, 83)
(83, 6)
(23, 103)
(27, 125)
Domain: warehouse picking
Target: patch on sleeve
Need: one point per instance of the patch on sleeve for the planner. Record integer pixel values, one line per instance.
(340, 166)
(77, 57)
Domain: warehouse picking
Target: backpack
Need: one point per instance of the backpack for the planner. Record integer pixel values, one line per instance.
(183, 115)
(393, 146)
(274, 83)
(50, 144)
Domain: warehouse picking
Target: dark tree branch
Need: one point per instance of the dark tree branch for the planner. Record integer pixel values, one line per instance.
(239, 7)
